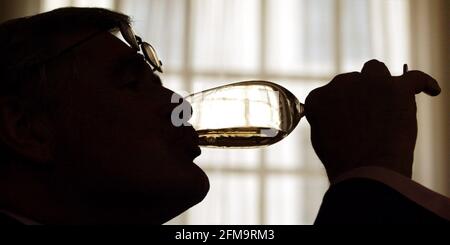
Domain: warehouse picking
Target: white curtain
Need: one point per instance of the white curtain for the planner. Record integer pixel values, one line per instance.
(300, 45)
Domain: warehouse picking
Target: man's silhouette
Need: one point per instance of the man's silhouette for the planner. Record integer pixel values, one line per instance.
(85, 125)
(86, 134)
(364, 128)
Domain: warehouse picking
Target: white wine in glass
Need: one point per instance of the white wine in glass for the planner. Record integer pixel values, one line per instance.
(244, 114)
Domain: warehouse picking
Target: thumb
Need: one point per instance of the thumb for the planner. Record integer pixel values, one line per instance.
(421, 82)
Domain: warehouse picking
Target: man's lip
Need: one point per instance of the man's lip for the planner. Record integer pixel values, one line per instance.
(193, 151)
(196, 151)
(192, 143)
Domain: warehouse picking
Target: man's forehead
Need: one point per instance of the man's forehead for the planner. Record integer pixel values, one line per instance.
(70, 38)
(107, 47)
(29, 50)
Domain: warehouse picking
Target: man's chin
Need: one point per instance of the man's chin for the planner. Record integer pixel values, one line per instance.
(188, 188)
(202, 184)
(153, 208)
(147, 198)
(195, 186)
(180, 200)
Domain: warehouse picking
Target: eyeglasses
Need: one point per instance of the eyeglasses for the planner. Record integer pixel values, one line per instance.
(127, 33)
(136, 43)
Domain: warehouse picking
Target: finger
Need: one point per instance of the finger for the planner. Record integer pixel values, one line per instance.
(405, 69)
(310, 104)
(375, 68)
(421, 82)
(343, 81)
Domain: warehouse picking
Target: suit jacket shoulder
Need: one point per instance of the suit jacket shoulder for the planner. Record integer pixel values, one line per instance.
(6, 220)
(366, 201)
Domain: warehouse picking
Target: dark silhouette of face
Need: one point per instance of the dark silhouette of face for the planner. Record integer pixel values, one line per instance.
(116, 151)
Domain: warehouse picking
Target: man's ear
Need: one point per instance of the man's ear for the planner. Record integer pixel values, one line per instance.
(27, 136)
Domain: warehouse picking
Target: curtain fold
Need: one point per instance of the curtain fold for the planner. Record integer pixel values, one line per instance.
(13, 9)
(430, 53)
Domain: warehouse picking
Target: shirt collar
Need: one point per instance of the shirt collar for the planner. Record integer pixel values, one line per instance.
(19, 218)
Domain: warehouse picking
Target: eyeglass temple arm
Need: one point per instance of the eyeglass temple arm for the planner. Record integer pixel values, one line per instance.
(129, 36)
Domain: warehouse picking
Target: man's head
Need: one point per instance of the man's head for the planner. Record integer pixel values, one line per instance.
(85, 126)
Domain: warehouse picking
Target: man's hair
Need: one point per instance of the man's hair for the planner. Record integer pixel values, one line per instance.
(27, 43)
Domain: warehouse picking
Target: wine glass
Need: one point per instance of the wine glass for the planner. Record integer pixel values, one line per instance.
(244, 114)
